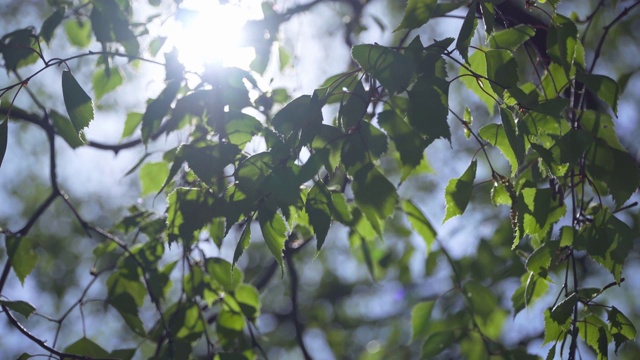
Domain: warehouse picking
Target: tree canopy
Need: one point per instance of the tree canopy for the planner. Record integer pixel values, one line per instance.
(466, 186)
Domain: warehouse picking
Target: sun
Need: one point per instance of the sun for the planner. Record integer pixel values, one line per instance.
(208, 32)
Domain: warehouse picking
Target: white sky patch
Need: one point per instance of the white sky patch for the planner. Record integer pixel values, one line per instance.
(209, 33)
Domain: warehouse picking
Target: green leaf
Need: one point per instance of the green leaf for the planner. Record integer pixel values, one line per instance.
(64, 128)
(301, 118)
(540, 260)
(458, 192)
(78, 103)
(78, 32)
(110, 23)
(474, 80)
(318, 207)
(603, 86)
(21, 255)
(131, 124)
(537, 212)
(241, 128)
(50, 24)
(4, 138)
(19, 48)
(208, 162)
(437, 343)
(248, 298)
(157, 109)
(466, 31)
(86, 347)
(391, 68)
(243, 243)
(355, 108)
(420, 319)
(106, 81)
(515, 139)
(622, 329)
(502, 68)
(126, 305)
(420, 223)
(375, 194)
(417, 13)
(409, 144)
(274, 231)
(429, 107)
(21, 307)
(223, 273)
(511, 38)
(123, 354)
(607, 240)
(495, 135)
(561, 42)
(596, 334)
(152, 177)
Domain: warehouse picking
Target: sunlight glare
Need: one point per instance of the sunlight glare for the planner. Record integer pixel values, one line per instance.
(211, 33)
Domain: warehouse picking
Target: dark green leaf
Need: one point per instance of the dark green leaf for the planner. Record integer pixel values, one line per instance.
(458, 192)
(50, 24)
(354, 109)
(78, 103)
(65, 128)
(318, 207)
(21, 255)
(4, 138)
(241, 128)
(374, 194)
(86, 347)
(428, 107)
(561, 42)
(243, 243)
(19, 48)
(537, 212)
(21, 307)
(110, 23)
(514, 138)
(466, 31)
(502, 68)
(417, 13)
(157, 109)
(420, 223)
(391, 68)
(437, 343)
(410, 145)
(123, 354)
(603, 86)
(126, 305)
(209, 161)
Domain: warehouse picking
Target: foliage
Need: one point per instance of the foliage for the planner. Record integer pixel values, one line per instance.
(567, 187)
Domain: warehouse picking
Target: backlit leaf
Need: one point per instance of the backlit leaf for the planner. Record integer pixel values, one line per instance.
(428, 107)
(561, 42)
(157, 109)
(21, 255)
(458, 192)
(78, 32)
(274, 232)
(420, 223)
(86, 347)
(319, 211)
(64, 127)
(511, 38)
(243, 243)
(420, 319)
(152, 176)
(106, 81)
(417, 13)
